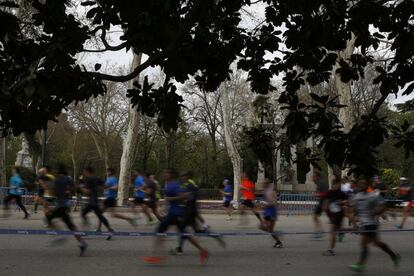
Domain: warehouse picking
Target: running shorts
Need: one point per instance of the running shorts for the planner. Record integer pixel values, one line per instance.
(152, 204)
(319, 208)
(270, 213)
(171, 220)
(40, 192)
(337, 218)
(139, 200)
(371, 231)
(248, 203)
(110, 202)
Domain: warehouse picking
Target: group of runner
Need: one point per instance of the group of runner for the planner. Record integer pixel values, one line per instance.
(362, 203)
(180, 192)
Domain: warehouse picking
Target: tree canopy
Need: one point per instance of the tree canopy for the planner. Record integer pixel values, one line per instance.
(298, 41)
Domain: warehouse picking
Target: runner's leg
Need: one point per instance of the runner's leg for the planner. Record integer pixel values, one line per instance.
(20, 204)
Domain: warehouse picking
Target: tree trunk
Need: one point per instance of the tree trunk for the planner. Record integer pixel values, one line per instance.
(229, 139)
(344, 91)
(73, 156)
(214, 177)
(330, 176)
(206, 167)
(169, 148)
(130, 142)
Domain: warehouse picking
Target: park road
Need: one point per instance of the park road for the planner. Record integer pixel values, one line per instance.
(244, 255)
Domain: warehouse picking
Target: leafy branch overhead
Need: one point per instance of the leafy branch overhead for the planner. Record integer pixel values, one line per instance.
(299, 40)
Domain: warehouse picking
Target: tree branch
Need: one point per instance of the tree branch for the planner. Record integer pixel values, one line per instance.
(191, 18)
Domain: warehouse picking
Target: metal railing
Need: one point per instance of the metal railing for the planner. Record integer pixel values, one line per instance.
(4, 192)
(297, 203)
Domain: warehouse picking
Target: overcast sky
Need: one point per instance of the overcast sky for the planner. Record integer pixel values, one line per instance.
(120, 61)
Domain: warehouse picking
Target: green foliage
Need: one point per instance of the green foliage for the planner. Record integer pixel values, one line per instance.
(391, 179)
(202, 39)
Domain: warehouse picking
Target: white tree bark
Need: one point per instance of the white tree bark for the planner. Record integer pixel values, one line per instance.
(330, 176)
(294, 167)
(309, 176)
(229, 139)
(344, 91)
(129, 146)
(260, 175)
(23, 158)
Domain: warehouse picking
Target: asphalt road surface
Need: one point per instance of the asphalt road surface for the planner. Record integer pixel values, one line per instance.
(248, 255)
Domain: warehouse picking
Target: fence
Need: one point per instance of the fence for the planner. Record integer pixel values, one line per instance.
(297, 203)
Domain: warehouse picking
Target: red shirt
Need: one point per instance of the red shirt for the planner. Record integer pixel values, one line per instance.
(247, 189)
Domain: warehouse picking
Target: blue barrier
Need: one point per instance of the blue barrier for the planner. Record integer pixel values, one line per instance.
(27, 232)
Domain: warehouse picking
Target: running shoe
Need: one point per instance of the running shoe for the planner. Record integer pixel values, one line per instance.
(221, 241)
(110, 235)
(357, 268)
(278, 244)
(83, 246)
(153, 260)
(59, 241)
(229, 218)
(318, 235)
(26, 216)
(133, 222)
(329, 252)
(398, 226)
(397, 261)
(151, 222)
(204, 255)
(177, 251)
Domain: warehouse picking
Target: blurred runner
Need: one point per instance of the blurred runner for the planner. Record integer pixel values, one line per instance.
(150, 188)
(139, 193)
(63, 188)
(175, 197)
(334, 208)
(406, 193)
(270, 212)
(16, 185)
(111, 193)
(153, 178)
(248, 196)
(192, 214)
(46, 197)
(227, 193)
(321, 190)
(92, 186)
(367, 207)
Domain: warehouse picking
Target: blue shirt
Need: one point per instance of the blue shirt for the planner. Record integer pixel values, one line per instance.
(228, 189)
(138, 183)
(173, 189)
(16, 182)
(111, 182)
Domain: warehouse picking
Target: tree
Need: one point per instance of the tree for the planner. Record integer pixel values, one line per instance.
(231, 148)
(204, 109)
(298, 40)
(105, 119)
(129, 144)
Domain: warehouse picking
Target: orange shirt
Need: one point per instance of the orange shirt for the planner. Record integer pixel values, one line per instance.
(370, 190)
(247, 189)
